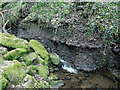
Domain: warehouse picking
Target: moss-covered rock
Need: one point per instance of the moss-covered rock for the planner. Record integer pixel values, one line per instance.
(28, 58)
(30, 82)
(40, 49)
(55, 59)
(15, 54)
(56, 83)
(1, 58)
(12, 41)
(40, 60)
(3, 50)
(39, 69)
(14, 71)
(3, 82)
(52, 77)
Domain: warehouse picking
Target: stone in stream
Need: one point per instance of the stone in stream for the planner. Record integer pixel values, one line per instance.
(55, 59)
(15, 54)
(40, 49)
(12, 41)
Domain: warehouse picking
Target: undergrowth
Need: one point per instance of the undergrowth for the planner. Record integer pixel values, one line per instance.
(102, 18)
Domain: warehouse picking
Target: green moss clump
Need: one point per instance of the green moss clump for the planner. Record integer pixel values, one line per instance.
(12, 41)
(44, 84)
(3, 50)
(40, 49)
(29, 58)
(39, 69)
(52, 77)
(31, 82)
(54, 83)
(15, 54)
(14, 73)
(55, 59)
(3, 82)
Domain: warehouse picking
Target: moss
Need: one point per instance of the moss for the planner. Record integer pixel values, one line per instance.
(1, 58)
(29, 58)
(55, 59)
(39, 48)
(3, 50)
(40, 60)
(44, 84)
(14, 73)
(52, 77)
(39, 69)
(3, 82)
(15, 54)
(12, 41)
(53, 83)
(31, 82)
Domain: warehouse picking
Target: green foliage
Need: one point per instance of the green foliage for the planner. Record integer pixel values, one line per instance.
(12, 11)
(103, 19)
(50, 12)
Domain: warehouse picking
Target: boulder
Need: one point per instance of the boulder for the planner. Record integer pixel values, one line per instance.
(31, 82)
(13, 71)
(55, 59)
(39, 49)
(39, 69)
(12, 41)
(15, 54)
(28, 58)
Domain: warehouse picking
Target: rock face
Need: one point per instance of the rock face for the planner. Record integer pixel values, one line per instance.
(83, 52)
(24, 67)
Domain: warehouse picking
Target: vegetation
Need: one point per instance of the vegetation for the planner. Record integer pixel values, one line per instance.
(101, 18)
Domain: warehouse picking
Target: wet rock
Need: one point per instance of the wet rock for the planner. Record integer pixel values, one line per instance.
(3, 50)
(39, 48)
(55, 59)
(13, 71)
(15, 54)
(12, 41)
(67, 77)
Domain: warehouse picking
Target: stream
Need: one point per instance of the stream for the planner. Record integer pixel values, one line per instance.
(72, 78)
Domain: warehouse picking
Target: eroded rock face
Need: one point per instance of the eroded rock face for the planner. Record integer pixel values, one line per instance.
(83, 52)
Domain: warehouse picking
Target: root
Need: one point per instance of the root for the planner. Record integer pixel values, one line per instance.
(4, 23)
